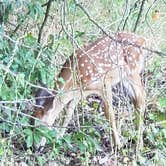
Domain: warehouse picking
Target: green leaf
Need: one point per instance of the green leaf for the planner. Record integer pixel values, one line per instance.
(82, 147)
(162, 102)
(79, 34)
(28, 131)
(37, 138)
(21, 79)
(40, 160)
(95, 144)
(68, 140)
(29, 141)
(1, 152)
(60, 79)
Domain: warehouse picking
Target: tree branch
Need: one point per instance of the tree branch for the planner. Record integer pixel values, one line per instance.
(132, 8)
(44, 21)
(139, 15)
(112, 38)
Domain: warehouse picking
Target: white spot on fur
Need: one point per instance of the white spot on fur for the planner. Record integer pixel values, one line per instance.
(130, 58)
(90, 71)
(82, 65)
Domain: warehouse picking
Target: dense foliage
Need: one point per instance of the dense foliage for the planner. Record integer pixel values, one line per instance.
(35, 39)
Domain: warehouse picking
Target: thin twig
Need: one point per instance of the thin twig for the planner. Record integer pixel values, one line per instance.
(123, 16)
(24, 19)
(21, 22)
(44, 21)
(139, 15)
(29, 116)
(132, 8)
(146, 16)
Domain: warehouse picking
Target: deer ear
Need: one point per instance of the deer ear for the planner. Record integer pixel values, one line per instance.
(140, 41)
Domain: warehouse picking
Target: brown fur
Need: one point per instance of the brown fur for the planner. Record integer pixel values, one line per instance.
(95, 69)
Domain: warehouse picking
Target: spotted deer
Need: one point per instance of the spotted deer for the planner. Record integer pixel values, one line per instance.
(95, 69)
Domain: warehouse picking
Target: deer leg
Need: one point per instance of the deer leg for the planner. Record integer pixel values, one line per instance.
(70, 110)
(138, 98)
(73, 103)
(109, 112)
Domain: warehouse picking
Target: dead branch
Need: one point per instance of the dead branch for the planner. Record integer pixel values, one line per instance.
(44, 21)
